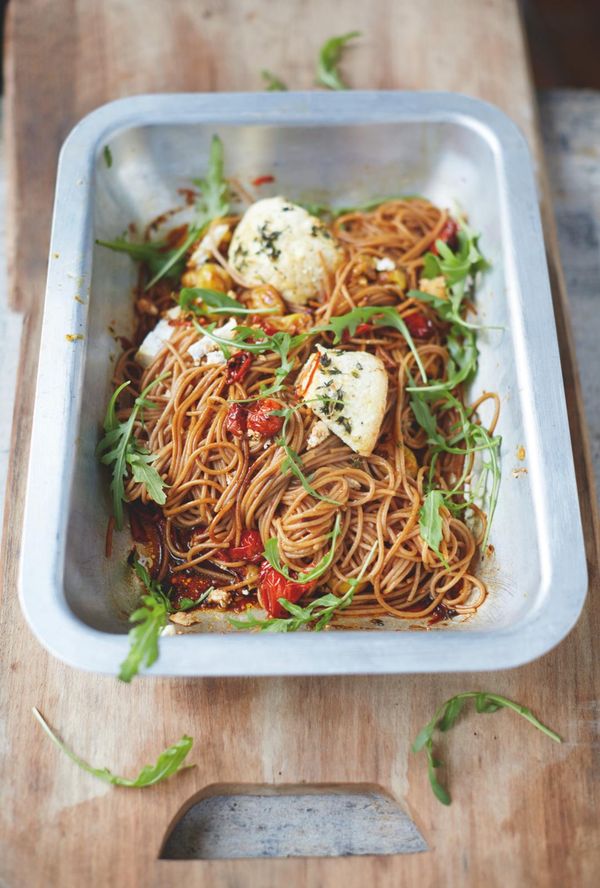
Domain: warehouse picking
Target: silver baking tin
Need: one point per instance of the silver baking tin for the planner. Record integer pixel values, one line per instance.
(341, 147)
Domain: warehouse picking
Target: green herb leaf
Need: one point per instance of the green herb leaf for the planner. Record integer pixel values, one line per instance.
(272, 556)
(272, 82)
(154, 254)
(203, 302)
(379, 316)
(119, 449)
(318, 612)
(150, 619)
(329, 57)
(445, 717)
(292, 462)
(107, 156)
(430, 520)
(168, 763)
(212, 204)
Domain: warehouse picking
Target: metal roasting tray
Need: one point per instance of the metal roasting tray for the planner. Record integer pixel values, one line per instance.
(342, 148)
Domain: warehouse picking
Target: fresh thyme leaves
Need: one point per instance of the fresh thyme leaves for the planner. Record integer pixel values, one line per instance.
(379, 316)
(204, 303)
(107, 156)
(430, 520)
(330, 54)
(120, 449)
(154, 254)
(150, 618)
(272, 556)
(268, 240)
(319, 612)
(169, 762)
(212, 204)
(272, 82)
(445, 717)
(292, 462)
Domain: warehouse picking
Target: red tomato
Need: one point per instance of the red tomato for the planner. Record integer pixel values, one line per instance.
(263, 180)
(261, 419)
(272, 586)
(362, 328)
(448, 235)
(259, 321)
(238, 366)
(419, 325)
(250, 548)
(236, 420)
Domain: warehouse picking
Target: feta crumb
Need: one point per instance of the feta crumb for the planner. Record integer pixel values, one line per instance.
(204, 346)
(156, 338)
(209, 242)
(216, 357)
(219, 596)
(385, 264)
(434, 286)
(318, 433)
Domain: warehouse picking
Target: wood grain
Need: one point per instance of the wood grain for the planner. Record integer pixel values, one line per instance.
(525, 810)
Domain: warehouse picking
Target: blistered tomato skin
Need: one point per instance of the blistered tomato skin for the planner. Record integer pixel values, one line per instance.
(238, 366)
(419, 325)
(236, 420)
(261, 419)
(250, 548)
(272, 586)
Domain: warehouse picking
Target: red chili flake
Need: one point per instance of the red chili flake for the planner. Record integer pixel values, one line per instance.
(238, 366)
(448, 234)
(236, 420)
(362, 328)
(263, 180)
(250, 548)
(272, 586)
(419, 325)
(261, 419)
(263, 323)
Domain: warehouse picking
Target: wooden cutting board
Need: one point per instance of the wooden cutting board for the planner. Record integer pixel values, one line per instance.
(525, 809)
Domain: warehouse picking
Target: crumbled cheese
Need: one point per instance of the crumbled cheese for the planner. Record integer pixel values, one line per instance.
(347, 390)
(216, 357)
(280, 243)
(207, 245)
(205, 346)
(434, 286)
(156, 338)
(385, 264)
(318, 433)
(219, 596)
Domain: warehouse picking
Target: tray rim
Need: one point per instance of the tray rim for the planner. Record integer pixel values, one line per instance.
(356, 652)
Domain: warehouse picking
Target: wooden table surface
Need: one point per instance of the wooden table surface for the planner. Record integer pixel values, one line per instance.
(525, 810)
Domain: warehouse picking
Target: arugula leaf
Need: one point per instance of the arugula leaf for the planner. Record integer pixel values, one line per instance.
(379, 316)
(169, 762)
(212, 204)
(446, 716)
(107, 156)
(154, 254)
(329, 56)
(272, 82)
(120, 449)
(150, 619)
(319, 611)
(203, 302)
(272, 556)
(292, 462)
(430, 520)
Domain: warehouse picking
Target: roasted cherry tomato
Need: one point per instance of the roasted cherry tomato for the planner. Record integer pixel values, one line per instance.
(448, 234)
(250, 548)
(237, 366)
(419, 325)
(236, 420)
(261, 419)
(273, 586)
